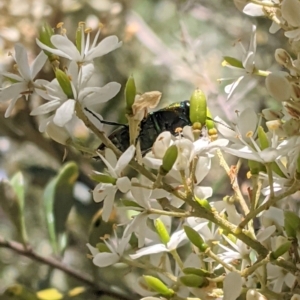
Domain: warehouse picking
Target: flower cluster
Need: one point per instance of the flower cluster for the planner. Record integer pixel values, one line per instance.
(189, 241)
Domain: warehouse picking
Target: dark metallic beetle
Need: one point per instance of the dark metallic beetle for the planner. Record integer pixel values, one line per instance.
(166, 119)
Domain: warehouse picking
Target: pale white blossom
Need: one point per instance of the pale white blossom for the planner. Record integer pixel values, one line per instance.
(22, 84)
(106, 191)
(66, 48)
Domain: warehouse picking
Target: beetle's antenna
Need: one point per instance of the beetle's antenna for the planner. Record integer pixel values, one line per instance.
(219, 123)
(105, 122)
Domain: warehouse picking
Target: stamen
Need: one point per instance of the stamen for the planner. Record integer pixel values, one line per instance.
(60, 25)
(88, 30)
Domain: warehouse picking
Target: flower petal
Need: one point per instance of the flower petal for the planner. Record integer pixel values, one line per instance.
(64, 113)
(105, 259)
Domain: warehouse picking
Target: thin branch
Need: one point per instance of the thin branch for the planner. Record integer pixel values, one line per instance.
(50, 261)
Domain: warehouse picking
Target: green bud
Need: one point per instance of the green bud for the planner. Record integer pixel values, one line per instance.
(102, 248)
(130, 93)
(203, 203)
(162, 231)
(195, 238)
(231, 61)
(210, 124)
(198, 107)
(78, 38)
(168, 160)
(192, 280)
(291, 224)
(255, 167)
(130, 203)
(45, 34)
(263, 139)
(64, 82)
(195, 271)
(277, 170)
(103, 178)
(158, 286)
(281, 250)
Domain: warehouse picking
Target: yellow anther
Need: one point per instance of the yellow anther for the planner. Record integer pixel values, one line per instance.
(60, 25)
(249, 134)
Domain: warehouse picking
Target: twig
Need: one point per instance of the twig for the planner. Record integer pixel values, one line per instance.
(50, 261)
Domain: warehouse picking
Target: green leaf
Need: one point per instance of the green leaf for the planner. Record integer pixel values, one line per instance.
(58, 201)
(232, 62)
(12, 202)
(100, 228)
(291, 224)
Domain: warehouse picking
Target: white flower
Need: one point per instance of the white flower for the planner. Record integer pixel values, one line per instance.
(246, 122)
(116, 247)
(248, 66)
(270, 154)
(23, 84)
(106, 191)
(65, 48)
(62, 106)
(241, 251)
(232, 279)
(175, 240)
(278, 277)
(143, 197)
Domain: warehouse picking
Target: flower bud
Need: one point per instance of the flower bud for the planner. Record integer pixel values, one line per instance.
(64, 82)
(58, 134)
(195, 238)
(101, 247)
(278, 86)
(203, 203)
(130, 92)
(291, 224)
(162, 231)
(231, 61)
(158, 286)
(192, 280)
(282, 246)
(198, 107)
(210, 124)
(255, 167)
(79, 36)
(168, 160)
(196, 271)
(291, 127)
(100, 177)
(263, 139)
(45, 34)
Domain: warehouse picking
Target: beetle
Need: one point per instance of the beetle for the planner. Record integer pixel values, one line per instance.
(168, 118)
